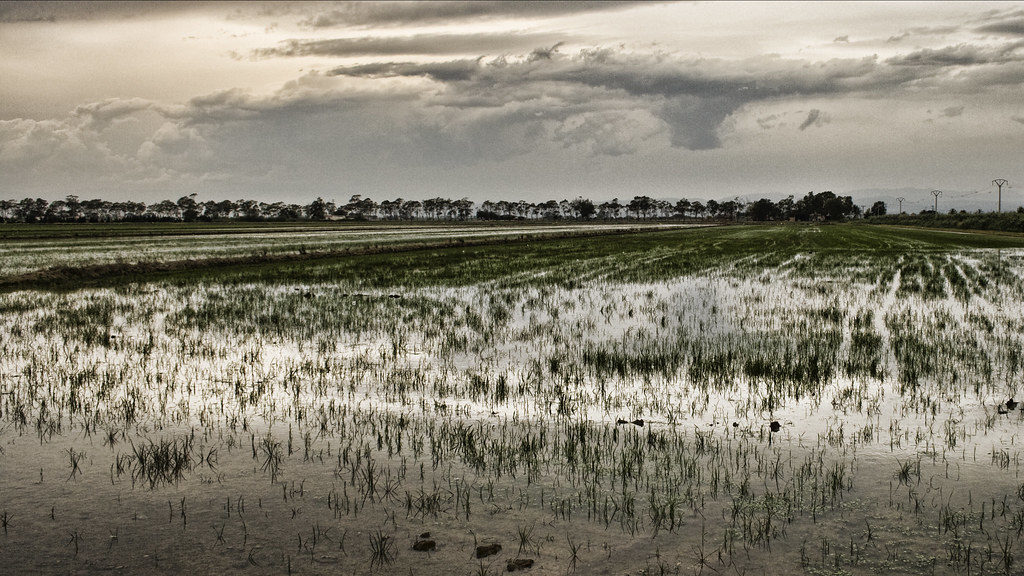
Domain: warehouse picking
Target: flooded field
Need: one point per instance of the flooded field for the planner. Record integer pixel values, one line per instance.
(736, 400)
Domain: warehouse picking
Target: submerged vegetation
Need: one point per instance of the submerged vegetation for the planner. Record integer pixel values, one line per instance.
(818, 399)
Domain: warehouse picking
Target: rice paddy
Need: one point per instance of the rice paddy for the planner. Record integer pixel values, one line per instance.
(32, 248)
(734, 400)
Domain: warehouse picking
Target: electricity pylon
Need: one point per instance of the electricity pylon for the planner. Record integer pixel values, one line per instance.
(1000, 182)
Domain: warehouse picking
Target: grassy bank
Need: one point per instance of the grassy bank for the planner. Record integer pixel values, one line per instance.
(1005, 222)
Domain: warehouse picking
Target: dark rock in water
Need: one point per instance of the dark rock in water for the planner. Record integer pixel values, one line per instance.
(1012, 404)
(424, 545)
(639, 422)
(520, 564)
(425, 535)
(487, 550)
(775, 426)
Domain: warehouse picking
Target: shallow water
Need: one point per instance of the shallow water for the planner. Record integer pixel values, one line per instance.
(298, 429)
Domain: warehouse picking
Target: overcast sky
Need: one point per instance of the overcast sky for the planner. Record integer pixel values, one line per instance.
(512, 100)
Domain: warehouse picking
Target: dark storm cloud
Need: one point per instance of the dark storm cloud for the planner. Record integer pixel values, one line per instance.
(959, 55)
(972, 80)
(1013, 27)
(924, 31)
(689, 99)
(641, 75)
(421, 44)
(311, 14)
(768, 122)
(99, 115)
(745, 80)
(693, 105)
(692, 97)
(450, 71)
(74, 10)
(310, 94)
(814, 118)
(653, 75)
(695, 121)
(545, 53)
(398, 13)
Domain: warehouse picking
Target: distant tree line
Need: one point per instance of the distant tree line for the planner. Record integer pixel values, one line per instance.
(823, 206)
(1004, 222)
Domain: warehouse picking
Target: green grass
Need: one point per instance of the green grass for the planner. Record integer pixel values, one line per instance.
(60, 262)
(653, 255)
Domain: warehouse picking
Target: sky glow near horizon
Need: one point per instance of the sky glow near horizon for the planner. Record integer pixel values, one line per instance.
(512, 100)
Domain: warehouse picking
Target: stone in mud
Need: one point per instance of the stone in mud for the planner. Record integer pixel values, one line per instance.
(425, 545)
(487, 550)
(519, 564)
